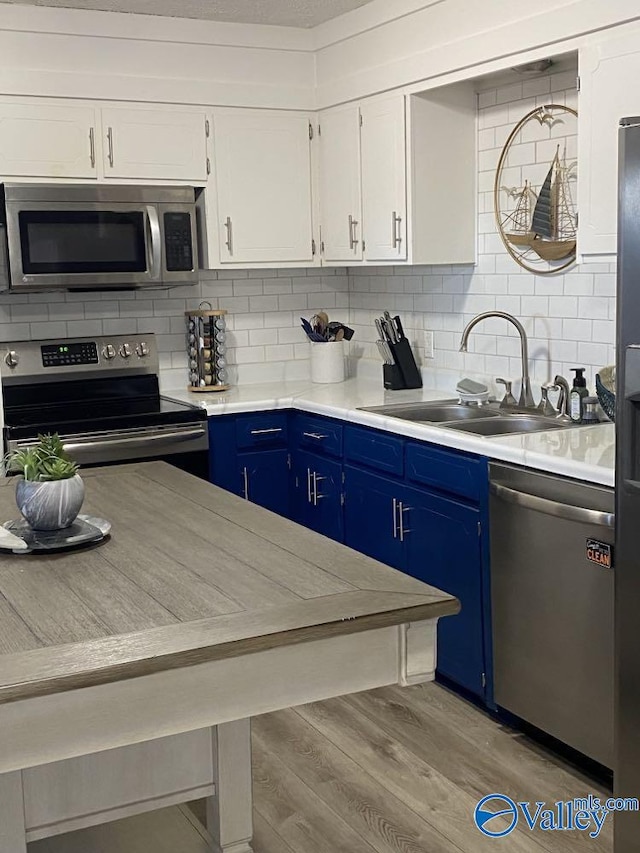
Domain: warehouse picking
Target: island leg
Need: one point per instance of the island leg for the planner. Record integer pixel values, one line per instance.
(230, 810)
(12, 828)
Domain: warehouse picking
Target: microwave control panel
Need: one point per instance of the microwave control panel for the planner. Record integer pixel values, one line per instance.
(178, 244)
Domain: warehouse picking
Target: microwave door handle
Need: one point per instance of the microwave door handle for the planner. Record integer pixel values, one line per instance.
(156, 242)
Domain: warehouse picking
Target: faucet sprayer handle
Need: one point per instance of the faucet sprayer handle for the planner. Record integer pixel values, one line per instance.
(545, 407)
(508, 401)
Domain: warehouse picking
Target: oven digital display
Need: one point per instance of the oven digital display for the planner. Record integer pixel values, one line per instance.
(62, 355)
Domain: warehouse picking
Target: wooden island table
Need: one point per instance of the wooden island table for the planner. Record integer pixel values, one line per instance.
(129, 672)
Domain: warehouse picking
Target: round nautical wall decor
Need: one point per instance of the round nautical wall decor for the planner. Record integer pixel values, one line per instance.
(534, 190)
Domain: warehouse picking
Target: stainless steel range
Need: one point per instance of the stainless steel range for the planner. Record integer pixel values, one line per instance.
(102, 396)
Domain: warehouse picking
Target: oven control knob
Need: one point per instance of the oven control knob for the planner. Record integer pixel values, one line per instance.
(142, 349)
(109, 351)
(12, 358)
(125, 350)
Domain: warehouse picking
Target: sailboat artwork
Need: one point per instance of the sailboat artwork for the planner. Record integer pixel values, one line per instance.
(545, 222)
(538, 222)
(519, 222)
(553, 222)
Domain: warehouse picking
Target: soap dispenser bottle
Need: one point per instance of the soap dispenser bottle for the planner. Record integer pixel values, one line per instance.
(577, 395)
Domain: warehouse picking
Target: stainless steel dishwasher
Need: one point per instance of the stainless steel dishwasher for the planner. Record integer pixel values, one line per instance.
(552, 605)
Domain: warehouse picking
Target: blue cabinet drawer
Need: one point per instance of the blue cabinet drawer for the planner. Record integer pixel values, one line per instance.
(266, 429)
(446, 471)
(376, 450)
(320, 435)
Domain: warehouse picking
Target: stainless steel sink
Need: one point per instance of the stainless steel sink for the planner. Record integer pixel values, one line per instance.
(438, 411)
(505, 424)
(481, 420)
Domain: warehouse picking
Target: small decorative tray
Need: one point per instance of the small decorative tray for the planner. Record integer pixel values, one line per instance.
(19, 538)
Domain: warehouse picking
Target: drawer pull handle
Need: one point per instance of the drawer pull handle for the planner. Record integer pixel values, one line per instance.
(395, 518)
(245, 483)
(266, 431)
(318, 436)
(309, 498)
(403, 529)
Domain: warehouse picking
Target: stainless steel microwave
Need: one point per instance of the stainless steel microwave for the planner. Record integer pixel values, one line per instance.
(96, 237)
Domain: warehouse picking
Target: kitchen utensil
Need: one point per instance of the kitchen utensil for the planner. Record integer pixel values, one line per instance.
(310, 332)
(319, 323)
(378, 323)
(398, 326)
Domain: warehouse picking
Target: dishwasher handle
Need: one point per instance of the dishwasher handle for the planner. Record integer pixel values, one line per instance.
(555, 508)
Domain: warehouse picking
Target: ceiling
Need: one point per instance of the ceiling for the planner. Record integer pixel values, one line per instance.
(284, 13)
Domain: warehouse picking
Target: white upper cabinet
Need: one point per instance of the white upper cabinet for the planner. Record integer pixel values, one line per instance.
(47, 141)
(384, 187)
(154, 144)
(442, 169)
(340, 188)
(609, 70)
(263, 186)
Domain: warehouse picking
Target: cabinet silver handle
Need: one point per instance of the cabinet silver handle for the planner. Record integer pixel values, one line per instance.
(229, 241)
(567, 512)
(316, 496)
(395, 518)
(352, 232)
(92, 146)
(245, 478)
(110, 145)
(266, 431)
(402, 509)
(309, 499)
(318, 436)
(396, 236)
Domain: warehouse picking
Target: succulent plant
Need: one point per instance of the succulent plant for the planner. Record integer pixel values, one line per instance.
(47, 460)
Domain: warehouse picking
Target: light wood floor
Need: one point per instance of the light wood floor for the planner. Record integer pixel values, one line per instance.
(400, 771)
(388, 771)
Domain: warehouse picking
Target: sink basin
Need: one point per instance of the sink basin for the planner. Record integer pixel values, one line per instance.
(505, 424)
(439, 411)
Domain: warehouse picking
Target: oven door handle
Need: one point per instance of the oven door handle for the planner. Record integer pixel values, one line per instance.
(567, 512)
(155, 238)
(136, 441)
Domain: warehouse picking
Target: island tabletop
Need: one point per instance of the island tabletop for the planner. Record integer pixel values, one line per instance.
(154, 648)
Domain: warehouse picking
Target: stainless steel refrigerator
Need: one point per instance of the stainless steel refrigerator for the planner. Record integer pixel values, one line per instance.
(627, 549)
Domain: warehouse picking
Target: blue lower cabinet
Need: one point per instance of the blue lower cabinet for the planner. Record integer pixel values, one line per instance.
(317, 494)
(244, 460)
(263, 479)
(442, 540)
(371, 516)
(434, 539)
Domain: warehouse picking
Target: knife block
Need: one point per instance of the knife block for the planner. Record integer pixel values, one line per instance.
(405, 365)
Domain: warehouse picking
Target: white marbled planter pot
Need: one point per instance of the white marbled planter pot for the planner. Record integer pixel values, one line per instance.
(51, 505)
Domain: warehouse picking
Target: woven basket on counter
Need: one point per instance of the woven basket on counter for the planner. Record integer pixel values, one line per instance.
(605, 390)
(207, 349)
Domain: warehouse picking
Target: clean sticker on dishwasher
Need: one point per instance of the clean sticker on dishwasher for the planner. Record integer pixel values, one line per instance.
(600, 553)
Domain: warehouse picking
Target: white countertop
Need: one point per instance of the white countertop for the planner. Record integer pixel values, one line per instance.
(584, 453)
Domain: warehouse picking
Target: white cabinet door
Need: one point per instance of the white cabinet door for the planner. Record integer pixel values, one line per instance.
(154, 144)
(609, 70)
(263, 186)
(340, 189)
(384, 189)
(44, 141)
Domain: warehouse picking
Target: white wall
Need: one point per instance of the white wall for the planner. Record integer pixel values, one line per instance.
(264, 342)
(569, 318)
(84, 54)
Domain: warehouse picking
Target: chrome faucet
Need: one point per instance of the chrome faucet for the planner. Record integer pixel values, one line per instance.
(563, 399)
(526, 397)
